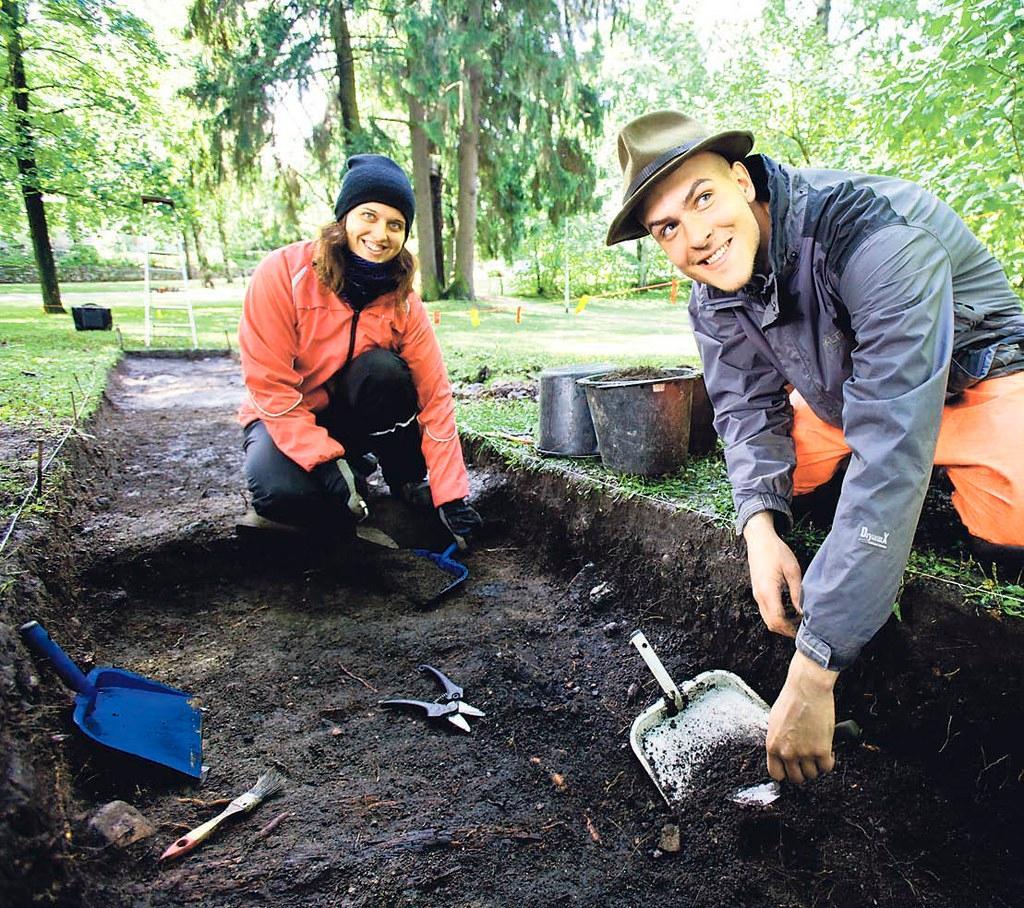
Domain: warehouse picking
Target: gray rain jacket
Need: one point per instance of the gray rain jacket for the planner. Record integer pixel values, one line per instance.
(879, 306)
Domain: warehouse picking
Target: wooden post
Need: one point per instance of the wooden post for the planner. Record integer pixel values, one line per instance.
(565, 262)
(674, 292)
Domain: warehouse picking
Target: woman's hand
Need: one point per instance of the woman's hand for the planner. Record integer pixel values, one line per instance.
(461, 520)
(341, 483)
(773, 568)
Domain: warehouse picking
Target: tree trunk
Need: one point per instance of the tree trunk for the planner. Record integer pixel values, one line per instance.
(205, 272)
(424, 203)
(823, 13)
(31, 191)
(222, 235)
(449, 247)
(536, 268)
(190, 265)
(344, 68)
(469, 160)
(641, 264)
(437, 219)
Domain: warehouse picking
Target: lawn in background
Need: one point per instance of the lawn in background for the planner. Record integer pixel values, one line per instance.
(45, 360)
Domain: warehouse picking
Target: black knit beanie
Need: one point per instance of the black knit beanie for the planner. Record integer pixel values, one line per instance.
(375, 178)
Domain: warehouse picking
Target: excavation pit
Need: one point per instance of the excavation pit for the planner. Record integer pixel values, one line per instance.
(543, 803)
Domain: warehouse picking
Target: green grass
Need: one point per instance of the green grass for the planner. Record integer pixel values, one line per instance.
(631, 330)
(46, 361)
(701, 485)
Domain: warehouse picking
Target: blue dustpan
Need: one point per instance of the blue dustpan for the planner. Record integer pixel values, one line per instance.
(447, 564)
(128, 712)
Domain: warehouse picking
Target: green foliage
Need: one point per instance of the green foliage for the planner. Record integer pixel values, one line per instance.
(249, 56)
(953, 115)
(89, 66)
(539, 124)
(593, 267)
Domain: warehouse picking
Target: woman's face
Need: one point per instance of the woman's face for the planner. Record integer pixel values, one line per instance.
(375, 231)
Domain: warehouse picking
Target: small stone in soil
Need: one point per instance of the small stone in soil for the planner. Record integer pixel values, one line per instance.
(669, 840)
(120, 824)
(602, 594)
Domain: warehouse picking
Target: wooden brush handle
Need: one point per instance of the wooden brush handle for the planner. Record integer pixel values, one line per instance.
(200, 834)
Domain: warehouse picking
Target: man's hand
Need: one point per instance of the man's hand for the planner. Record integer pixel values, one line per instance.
(461, 520)
(801, 723)
(773, 567)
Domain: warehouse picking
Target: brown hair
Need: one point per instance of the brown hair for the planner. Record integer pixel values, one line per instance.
(329, 263)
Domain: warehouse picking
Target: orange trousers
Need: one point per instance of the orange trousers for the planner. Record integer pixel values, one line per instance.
(981, 449)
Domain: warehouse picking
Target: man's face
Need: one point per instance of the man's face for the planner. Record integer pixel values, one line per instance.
(375, 231)
(700, 215)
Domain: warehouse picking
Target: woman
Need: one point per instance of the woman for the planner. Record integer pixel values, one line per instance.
(340, 361)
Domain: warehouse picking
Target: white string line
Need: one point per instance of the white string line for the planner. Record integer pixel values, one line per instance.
(46, 465)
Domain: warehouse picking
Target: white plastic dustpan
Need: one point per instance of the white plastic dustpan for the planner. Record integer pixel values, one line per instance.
(677, 737)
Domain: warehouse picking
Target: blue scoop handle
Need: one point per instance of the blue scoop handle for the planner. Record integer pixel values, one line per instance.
(37, 640)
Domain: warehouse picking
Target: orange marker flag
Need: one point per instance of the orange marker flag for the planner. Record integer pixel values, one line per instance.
(437, 316)
(519, 315)
(674, 292)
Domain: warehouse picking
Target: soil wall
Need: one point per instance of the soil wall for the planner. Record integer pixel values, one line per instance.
(39, 581)
(943, 682)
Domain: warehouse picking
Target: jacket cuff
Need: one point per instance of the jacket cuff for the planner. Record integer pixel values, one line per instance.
(764, 501)
(817, 650)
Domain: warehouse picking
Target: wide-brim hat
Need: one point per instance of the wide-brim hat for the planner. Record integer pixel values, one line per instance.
(651, 147)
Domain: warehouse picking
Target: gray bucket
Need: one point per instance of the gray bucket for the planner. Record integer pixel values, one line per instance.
(643, 424)
(566, 428)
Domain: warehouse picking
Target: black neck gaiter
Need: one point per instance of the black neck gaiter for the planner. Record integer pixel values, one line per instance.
(365, 281)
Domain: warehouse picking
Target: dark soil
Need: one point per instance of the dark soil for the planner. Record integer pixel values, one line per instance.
(638, 373)
(497, 390)
(289, 646)
(735, 765)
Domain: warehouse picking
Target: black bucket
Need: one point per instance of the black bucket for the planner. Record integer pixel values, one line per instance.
(566, 428)
(90, 317)
(643, 424)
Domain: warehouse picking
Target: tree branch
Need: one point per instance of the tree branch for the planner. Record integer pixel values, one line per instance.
(389, 120)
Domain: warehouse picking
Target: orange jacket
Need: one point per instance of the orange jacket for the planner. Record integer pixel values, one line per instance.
(294, 335)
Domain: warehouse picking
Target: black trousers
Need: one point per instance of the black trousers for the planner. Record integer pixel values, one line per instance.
(372, 410)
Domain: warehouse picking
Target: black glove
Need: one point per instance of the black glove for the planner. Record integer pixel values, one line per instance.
(461, 521)
(341, 483)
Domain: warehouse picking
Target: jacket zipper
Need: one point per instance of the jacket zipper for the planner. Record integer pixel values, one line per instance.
(352, 338)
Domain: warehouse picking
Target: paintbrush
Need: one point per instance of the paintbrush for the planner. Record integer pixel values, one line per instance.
(266, 785)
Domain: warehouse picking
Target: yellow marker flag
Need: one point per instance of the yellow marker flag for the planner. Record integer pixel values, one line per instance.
(582, 304)
(474, 317)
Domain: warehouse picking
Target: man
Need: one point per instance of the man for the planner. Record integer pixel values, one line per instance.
(840, 317)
